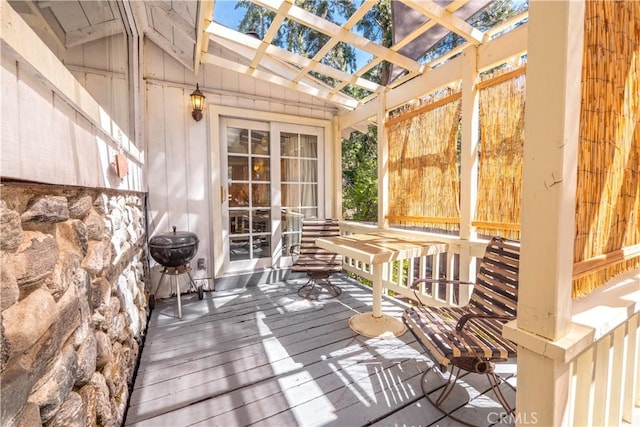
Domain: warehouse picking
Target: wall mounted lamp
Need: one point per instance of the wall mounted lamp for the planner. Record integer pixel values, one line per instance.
(197, 102)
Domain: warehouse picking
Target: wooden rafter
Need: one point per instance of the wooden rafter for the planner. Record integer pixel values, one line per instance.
(176, 20)
(332, 30)
(281, 81)
(224, 34)
(94, 32)
(447, 20)
(268, 63)
(271, 32)
(351, 22)
(205, 12)
(57, 35)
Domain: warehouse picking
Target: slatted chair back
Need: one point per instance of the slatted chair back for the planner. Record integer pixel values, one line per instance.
(496, 287)
(318, 263)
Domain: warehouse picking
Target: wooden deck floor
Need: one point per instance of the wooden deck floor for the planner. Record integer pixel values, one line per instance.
(262, 355)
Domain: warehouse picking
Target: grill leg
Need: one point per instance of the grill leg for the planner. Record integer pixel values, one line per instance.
(178, 294)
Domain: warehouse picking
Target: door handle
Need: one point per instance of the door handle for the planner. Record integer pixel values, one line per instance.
(223, 194)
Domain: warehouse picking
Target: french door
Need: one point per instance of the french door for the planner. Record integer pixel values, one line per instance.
(270, 177)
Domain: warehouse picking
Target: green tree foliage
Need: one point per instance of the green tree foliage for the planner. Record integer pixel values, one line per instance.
(300, 39)
(359, 176)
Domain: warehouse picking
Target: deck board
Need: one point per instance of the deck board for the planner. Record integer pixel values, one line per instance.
(264, 356)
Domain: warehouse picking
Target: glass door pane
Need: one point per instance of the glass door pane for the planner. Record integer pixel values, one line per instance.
(249, 189)
(298, 184)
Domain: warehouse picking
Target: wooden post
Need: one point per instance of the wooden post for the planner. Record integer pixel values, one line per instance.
(552, 121)
(336, 184)
(468, 164)
(383, 164)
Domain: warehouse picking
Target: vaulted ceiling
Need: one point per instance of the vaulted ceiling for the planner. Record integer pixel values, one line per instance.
(186, 31)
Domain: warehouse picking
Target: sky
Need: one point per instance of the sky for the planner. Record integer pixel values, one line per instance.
(226, 15)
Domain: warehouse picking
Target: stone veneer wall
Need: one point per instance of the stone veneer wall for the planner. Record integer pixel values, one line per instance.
(74, 307)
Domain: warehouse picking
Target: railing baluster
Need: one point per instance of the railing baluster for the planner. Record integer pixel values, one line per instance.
(585, 393)
(632, 386)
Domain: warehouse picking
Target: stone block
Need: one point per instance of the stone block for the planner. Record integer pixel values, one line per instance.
(104, 352)
(95, 225)
(100, 294)
(4, 347)
(14, 391)
(80, 207)
(114, 372)
(66, 273)
(110, 313)
(95, 396)
(35, 259)
(87, 354)
(101, 204)
(98, 257)
(25, 322)
(30, 416)
(71, 413)
(46, 209)
(51, 395)
(72, 236)
(9, 290)
(10, 229)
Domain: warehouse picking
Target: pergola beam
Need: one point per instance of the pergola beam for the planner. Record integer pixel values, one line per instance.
(205, 12)
(271, 33)
(447, 20)
(222, 33)
(332, 30)
(281, 81)
(351, 22)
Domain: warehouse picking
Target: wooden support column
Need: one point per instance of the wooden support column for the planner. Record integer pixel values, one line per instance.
(468, 163)
(383, 163)
(336, 184)
(552, 121)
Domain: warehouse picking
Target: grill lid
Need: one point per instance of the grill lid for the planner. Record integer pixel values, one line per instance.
(174, 240)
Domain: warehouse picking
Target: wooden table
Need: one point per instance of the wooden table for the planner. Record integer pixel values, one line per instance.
(375, 249)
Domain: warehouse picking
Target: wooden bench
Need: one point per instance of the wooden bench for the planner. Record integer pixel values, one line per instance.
(470, 337)
(318, 263)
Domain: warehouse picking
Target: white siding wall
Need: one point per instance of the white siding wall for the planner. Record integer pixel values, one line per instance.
(53, 131)
(178, 147)
(101, 67)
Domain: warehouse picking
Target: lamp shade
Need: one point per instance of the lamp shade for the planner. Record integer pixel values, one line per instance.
(197, 103)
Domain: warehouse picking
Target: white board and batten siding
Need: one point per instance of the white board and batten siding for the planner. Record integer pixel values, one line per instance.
(53, 130)
(178, 147)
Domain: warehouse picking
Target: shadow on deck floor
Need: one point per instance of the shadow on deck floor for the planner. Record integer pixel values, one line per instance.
(262, 355)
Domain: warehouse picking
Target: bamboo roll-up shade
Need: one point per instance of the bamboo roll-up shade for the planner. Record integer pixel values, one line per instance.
(424, 184)
(499, 197)
(608, 187)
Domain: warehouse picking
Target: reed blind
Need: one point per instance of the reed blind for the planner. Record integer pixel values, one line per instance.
(607, 239)
(499, 197)
(424, 184)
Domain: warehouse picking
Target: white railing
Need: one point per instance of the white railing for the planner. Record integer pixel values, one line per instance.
(398, 276)
(605, 377)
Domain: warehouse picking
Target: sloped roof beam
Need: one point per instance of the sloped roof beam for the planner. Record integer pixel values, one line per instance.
(271, 32)
(447, 20)
(332, 30)
(217, 30)
(351, 22)
(176, 20)
(281, 68)
(281, 81)
(93, 32)
(205, 12)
